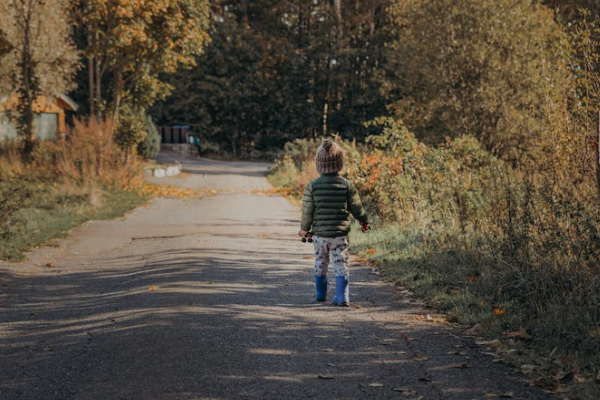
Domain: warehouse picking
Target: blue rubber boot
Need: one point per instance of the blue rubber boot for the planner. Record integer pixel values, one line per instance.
(342, 292)
(321, 284)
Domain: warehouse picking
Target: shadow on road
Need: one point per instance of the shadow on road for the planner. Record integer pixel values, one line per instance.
(229, 324)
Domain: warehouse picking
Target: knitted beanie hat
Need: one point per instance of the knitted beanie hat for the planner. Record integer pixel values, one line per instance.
(330, 158)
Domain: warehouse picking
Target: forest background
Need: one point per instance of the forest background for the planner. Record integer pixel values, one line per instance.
(471, 129)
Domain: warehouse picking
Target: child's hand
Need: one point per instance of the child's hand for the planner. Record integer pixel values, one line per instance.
(365, 226)
(302, 234)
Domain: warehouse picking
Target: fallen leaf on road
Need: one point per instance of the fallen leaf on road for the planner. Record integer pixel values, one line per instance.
(327, 350)
(356, 306)
(507, 395)
(462, 365)
(49, 265)
(498, 312)
(376, 384)
(405, 391)
(490, 354)
(474, 330)
(421, 357)
(324, 377)
(307, 257)
(436, 318)
(520, 334)
(153, 288)
(408, 338)
(527, 368)
(491, 343)
(457, 353)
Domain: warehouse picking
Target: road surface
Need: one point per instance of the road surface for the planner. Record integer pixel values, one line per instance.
(212, 298)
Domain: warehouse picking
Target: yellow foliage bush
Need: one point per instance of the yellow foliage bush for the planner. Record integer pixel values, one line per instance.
(88, 155)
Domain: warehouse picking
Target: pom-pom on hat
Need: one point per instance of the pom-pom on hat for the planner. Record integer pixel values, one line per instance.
(330, 158)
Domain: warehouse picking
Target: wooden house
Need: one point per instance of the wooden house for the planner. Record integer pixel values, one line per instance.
(49, 121)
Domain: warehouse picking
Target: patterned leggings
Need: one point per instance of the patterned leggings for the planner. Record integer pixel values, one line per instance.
(338, 248)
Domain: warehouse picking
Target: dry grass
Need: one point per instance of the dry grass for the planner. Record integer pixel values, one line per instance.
(68, 182)
(511, 252)
(89, 156)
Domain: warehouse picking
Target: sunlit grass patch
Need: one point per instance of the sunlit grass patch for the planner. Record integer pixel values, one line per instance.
(37, 213)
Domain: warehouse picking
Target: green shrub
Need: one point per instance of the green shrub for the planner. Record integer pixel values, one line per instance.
(150, 147)
(131, 129)
(208, 147)
(489, 244)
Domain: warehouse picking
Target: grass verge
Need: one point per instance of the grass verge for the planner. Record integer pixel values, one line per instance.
(38, 213)
(480, 293)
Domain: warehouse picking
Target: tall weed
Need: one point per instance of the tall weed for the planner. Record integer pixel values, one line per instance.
(488, 242)
(90, 154)
(87, 156)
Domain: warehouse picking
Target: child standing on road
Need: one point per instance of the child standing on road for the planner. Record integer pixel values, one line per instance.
(326, 208)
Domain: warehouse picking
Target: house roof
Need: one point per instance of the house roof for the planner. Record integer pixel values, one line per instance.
(60, 96)
(67, 100)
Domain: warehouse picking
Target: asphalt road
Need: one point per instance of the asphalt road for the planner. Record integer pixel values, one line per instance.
(213, 299)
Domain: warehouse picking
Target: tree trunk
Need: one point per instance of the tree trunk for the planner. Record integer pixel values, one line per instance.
(597, 158)
(91, 85)
(91, 79)
(27, 90)
(118, 92)
(337, 4)
(98, 75)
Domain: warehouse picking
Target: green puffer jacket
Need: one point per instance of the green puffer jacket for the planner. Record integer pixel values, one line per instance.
(327, 204)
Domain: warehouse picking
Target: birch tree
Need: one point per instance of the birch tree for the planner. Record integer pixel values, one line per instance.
(41, 59)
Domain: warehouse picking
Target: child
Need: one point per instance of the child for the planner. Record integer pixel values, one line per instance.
(326, 207)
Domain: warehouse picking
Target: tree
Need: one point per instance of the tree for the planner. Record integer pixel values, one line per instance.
(41, 58)
(477, 67)
(5, 48)
(278, 70)
(150, 147)
(239, 94)
(131, 45)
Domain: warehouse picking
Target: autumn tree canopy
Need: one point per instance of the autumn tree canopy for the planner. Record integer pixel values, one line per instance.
(40, 57)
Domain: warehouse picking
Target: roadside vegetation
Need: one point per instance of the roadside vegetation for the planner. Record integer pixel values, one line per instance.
(499, 249)
(68, 182)
(471, 128)
(483, 182)
(111, 57)
(86, 176)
